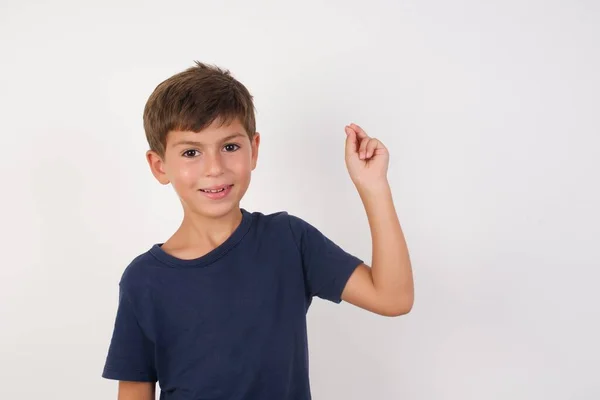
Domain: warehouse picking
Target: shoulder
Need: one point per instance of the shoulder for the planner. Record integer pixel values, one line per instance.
(280, 222)
(270, 222)
(136, 274)
(283, 227)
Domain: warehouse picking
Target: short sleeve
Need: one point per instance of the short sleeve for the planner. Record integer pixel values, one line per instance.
(327, 267)
(130, 354)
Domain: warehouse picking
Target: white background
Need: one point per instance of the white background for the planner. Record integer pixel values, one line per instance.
(490, 111)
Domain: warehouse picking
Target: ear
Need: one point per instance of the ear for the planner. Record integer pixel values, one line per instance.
(156, 164)
(255, 146)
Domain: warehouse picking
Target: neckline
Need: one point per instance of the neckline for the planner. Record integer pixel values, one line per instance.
(210, 257)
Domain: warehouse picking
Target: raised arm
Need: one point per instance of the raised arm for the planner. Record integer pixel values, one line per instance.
(386, 287)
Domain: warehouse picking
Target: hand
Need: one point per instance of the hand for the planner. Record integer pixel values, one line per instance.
(367, 159)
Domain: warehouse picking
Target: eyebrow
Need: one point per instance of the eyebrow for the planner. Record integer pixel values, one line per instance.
(195, 143)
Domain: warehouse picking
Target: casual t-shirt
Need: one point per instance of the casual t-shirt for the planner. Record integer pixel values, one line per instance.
(230, 325)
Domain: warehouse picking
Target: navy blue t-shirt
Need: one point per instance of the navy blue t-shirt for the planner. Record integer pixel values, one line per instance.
(230, 325)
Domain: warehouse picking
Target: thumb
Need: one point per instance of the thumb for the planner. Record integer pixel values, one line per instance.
(351, 141)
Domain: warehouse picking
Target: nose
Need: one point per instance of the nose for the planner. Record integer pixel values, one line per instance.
(213, 164)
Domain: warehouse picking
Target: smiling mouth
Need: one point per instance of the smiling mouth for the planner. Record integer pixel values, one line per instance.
(216, 189)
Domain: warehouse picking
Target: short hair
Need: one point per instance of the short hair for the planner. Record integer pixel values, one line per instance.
(192, 100)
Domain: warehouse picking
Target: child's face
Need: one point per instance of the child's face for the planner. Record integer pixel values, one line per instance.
(209, 170)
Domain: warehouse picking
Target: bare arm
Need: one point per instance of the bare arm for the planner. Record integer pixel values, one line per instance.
(386, 287)
(136, 390)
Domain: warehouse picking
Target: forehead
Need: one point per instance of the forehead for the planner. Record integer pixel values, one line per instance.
(214, 133)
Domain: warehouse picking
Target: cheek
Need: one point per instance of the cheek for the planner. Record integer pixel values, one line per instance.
(240, 166)
(185, 174)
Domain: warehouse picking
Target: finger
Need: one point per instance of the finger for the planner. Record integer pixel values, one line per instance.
(360, 133)
(351, 141)
(362, 151)
(371, 147)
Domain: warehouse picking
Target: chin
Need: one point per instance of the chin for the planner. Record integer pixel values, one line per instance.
(217, 210)
(223, 211)
(213, 207)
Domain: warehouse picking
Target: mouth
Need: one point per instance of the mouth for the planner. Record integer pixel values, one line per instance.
(216, 189)
(217, 192)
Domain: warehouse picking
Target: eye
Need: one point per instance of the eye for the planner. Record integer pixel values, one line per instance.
(190, 153)
(231, 147)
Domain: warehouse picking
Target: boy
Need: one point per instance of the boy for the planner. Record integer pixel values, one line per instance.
(218, 311)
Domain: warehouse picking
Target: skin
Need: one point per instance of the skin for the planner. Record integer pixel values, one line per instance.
(136, 391)
(194, 161)
(225, 155)
(386, 287)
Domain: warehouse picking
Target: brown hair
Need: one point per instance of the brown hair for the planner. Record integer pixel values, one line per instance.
(192, 100)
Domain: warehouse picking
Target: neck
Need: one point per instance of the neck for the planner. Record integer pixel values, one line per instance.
(203, 229)
(199, 234)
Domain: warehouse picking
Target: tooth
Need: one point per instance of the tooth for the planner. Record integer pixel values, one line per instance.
(213, 190)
